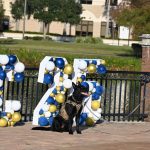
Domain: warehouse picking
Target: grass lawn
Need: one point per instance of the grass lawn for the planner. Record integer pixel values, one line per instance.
(31, 53)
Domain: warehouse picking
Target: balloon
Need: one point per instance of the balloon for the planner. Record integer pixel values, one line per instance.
(2, 75)
(45, 107)
(1, 102)
(68, 69)
(19, 77)
(79, 80)
(48, 79)
(47, 114)
(89, 121)
(60, 98)
(103, 62)
(85, 84)
(50, 100)
(19, 67)
(65, 76)
(99, 90)
(16, 105)
(67, 83)
(3, 122)
(9, 115)
(1, 83)
(52, 95)
(4, 59)
(52, 108)
(83, 77)
(84, 115)
(60, 63)
(94, 62)
(41, 112)
(9, 67)
(12, 59)
(101, 69)
(61, 79)
(58, 88)
(91, 68)
(82, 65)
(95, 96)
(50, 66)
(12, 123)
(1, 68)
(95, 105)
(43, 121)
(16, 117)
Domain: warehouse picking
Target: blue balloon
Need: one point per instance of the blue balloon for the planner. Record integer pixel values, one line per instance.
(81, 121)
(9, 67)
(12, 59)
(99, 90)
(1, 68)
(3, 114)
(60, 63)
(48, 79)
(61, 74)
(43, 121)
(54, 91)
(19, 77)
(41, 112)
(101, 69)
(87, 61)
(83, 77)
(84, 116)
(56, 103)
(50, 100)
(95, 96)
(94, 62)
(94, 84)
(2, 75)
(51, 120)
(85, 84)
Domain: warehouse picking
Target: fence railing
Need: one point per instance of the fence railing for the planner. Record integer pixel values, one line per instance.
(123, 99)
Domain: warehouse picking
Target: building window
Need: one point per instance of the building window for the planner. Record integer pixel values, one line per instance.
(85, 28)
(86, 1)
(113, 2)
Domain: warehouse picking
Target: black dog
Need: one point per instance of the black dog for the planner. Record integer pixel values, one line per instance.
(70, 109)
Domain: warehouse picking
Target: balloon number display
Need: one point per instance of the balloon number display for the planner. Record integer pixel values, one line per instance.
(59, 75)
(11, 70)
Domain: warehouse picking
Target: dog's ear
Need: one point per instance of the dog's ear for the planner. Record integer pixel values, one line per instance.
(74, 85)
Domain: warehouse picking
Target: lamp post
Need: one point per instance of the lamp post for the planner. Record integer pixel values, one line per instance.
(24, 18)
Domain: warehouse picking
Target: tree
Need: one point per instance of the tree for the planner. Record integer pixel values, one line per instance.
(1, 15)
(135, 16)
(46, 11)
(70, 13)
(17, 11)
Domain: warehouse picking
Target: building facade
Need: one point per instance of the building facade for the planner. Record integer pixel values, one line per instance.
(93, 23)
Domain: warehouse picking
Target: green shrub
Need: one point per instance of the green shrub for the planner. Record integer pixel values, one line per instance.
(39, 38)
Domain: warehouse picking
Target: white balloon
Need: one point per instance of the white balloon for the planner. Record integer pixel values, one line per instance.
(4, 59)
(82, 65)
(99, 110)
(67, 83)
(94, 90)
(47, 114)
(1, 83)
(19, 67)
(1, 102)
(50, 66)
(90, 86)
(98, 62)
(16, 105)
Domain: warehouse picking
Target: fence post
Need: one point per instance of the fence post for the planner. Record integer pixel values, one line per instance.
(146, 68)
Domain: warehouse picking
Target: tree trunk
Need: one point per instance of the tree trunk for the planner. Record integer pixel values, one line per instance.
(17, 25)
(70, 29)
(45, 30)
(64, 30)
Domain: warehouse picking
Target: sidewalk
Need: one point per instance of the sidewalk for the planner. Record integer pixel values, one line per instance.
(105, 136)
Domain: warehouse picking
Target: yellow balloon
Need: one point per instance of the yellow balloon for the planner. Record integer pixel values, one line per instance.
(3, 122)
(61, 79)
(58, 88)
(68, 69)
(9, 123)
(103, 62)
(16, 117)
(9, 115)
(52, 108)
(79, 80)
(95, 105)
(1, 92)
(60, 98)
(52, 95)
(89, 121)
(91, 68)
(12, 123)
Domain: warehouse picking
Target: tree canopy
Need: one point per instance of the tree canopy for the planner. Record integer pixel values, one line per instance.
(135, 15)
(1, 14)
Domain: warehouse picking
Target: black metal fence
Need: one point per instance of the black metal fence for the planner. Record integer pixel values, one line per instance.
(123, 99)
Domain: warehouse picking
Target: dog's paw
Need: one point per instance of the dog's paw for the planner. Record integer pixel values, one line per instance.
(79, 132)
(71, 132)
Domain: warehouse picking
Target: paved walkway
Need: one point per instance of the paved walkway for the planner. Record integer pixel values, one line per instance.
(105, 136)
